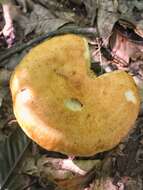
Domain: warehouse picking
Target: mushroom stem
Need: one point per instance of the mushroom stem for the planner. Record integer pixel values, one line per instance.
(68, 164)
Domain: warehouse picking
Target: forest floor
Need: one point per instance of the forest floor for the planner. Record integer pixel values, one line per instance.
(25, 165)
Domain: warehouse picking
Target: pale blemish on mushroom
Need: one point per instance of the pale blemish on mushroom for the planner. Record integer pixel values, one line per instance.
(73, 104)
(130, 97)
(25, 95)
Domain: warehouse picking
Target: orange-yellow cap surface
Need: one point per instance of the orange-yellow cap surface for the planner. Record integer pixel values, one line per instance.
(63, 107)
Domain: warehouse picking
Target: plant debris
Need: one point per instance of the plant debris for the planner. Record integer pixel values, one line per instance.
(34, 20)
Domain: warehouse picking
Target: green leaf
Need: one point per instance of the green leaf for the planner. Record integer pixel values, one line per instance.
(11, 152)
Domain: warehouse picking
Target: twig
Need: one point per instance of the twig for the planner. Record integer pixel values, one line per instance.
(29, 185)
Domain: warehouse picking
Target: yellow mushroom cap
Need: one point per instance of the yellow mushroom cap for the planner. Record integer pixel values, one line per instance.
(63, 107)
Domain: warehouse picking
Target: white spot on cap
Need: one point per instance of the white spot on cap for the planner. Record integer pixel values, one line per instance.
(130, 96)
(24, 95)
(73, 104)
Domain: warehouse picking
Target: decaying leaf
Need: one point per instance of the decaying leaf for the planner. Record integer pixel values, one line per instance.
(11, 151)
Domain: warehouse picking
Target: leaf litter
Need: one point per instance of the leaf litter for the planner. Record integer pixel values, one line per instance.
(118, 169)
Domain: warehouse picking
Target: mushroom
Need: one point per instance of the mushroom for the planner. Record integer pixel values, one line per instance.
(64, 107)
